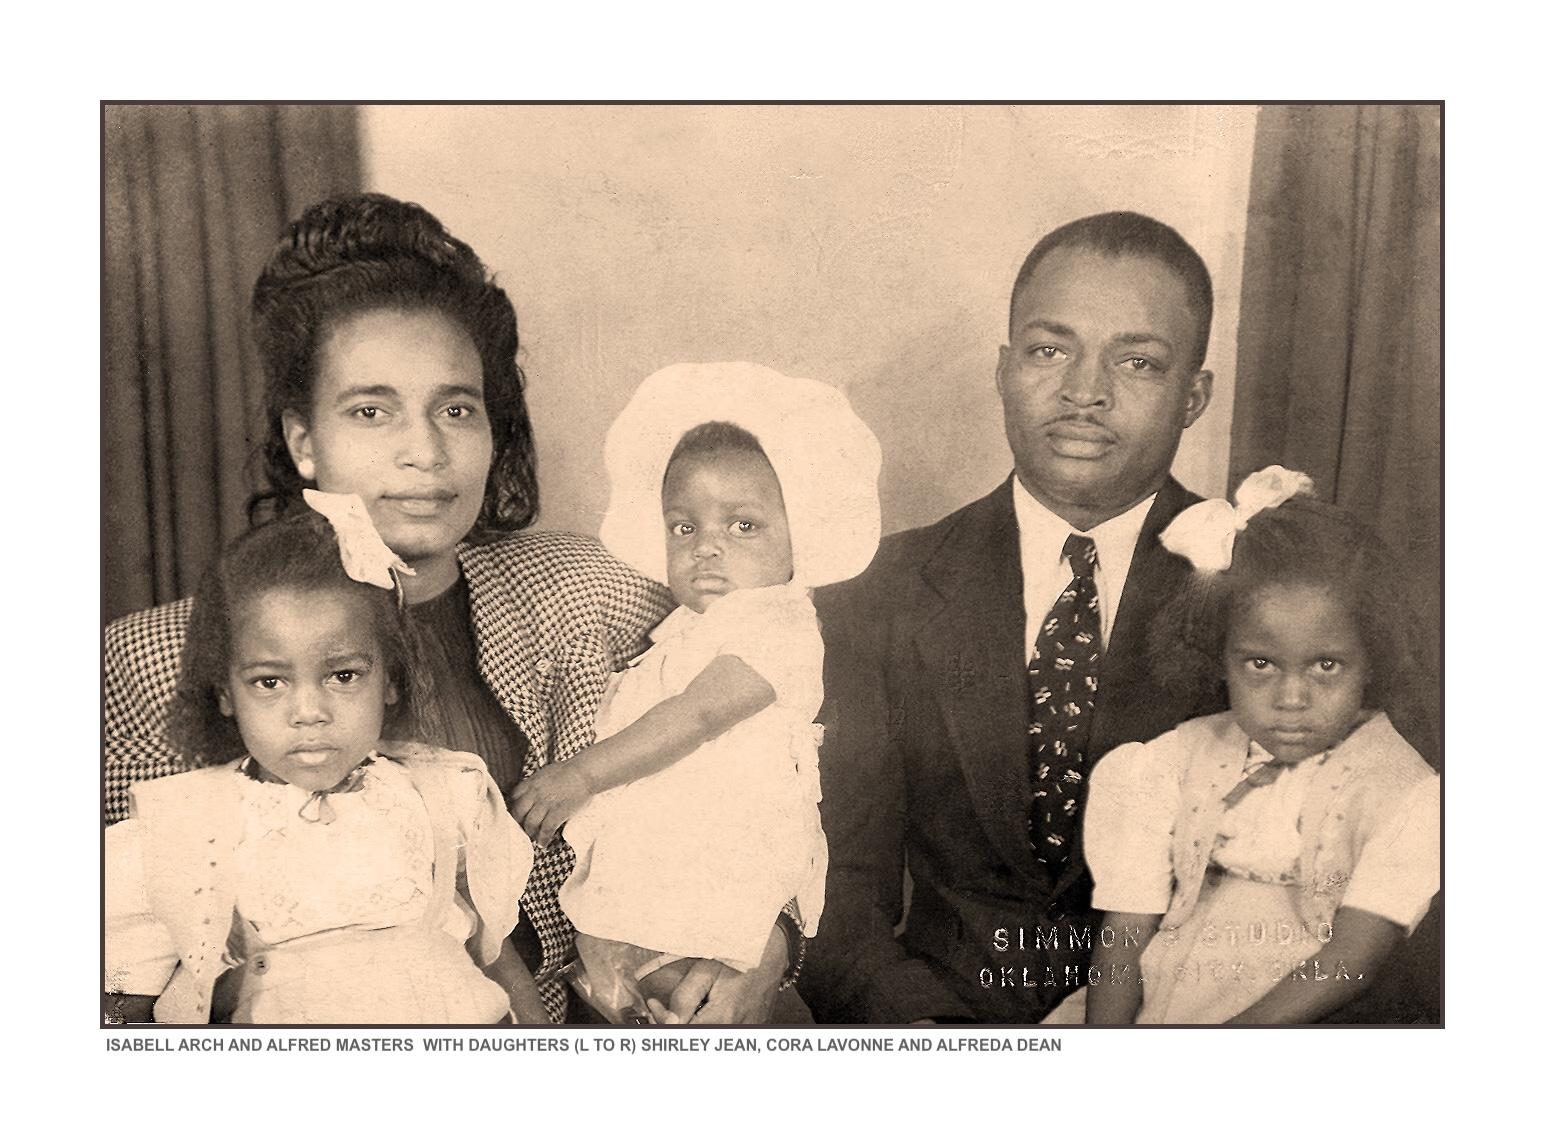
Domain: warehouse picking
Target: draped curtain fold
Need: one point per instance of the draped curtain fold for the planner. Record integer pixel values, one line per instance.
(1340, 369)
(194, 198)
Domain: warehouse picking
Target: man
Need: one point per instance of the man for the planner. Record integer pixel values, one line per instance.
(983, 664)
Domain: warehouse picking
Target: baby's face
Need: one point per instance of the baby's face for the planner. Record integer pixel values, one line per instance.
(1296, 670)
(724, 527)
(308, 686)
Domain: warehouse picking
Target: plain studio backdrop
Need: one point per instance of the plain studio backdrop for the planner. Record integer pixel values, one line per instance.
(869, 247)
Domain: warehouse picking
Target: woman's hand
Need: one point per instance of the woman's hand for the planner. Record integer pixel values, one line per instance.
(724, 995)
(548, 799)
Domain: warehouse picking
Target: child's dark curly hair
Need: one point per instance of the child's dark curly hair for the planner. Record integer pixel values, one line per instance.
(714, 438)
(296, 552)
(1302, 541)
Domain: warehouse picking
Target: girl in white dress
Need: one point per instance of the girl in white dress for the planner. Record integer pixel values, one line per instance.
(349, 880)
(694, 817)
(1257, 866)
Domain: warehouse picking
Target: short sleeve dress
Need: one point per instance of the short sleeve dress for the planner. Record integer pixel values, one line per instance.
(1248, 928)
(343, 911)
(697, 860)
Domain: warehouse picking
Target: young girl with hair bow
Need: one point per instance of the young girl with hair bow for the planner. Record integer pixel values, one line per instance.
(338, 878)
(1258, 865)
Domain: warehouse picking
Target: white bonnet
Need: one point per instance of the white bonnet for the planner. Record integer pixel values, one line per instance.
(826, 459)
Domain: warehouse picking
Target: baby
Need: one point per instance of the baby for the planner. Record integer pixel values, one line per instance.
(694, 817)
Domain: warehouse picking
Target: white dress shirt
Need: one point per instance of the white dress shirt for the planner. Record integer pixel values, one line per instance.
(1046, 572)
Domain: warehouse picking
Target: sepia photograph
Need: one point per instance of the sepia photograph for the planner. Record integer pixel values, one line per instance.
(811, 570)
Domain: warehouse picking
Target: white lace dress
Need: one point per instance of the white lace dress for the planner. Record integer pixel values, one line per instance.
(1247, 931)
(698, 859)
(344, 919)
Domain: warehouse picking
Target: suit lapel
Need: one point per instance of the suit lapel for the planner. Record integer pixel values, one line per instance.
(971, 644)
(1131, 704)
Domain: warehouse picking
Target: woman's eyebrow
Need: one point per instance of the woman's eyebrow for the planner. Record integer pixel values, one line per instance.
(471, 391)
(377, 391)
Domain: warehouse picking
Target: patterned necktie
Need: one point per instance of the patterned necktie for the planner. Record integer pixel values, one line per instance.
(1064, 676)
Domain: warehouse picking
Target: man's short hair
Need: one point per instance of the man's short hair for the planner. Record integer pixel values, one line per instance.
(1130, 233)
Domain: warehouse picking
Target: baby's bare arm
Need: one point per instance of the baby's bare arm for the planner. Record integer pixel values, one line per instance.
(726, 693)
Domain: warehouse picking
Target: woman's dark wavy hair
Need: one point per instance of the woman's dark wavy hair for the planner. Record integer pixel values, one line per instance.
(354, 254)
(1302, 541)
(299, 551)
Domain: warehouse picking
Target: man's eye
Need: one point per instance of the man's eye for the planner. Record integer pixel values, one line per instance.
(266, 683)
(345, 676)
(1329, 666)
(1258, 663)
(367, 412)
(1138, 364)
(1045, 352)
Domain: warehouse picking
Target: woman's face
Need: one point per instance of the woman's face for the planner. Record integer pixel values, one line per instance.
(397, 417)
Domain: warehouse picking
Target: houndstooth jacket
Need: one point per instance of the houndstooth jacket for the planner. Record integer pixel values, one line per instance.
(554, 615)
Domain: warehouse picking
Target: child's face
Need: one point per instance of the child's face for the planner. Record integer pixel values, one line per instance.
(308, 685)
(1296, 670)
(724, 527)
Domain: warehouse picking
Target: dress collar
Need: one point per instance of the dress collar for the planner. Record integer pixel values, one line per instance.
(316, 808)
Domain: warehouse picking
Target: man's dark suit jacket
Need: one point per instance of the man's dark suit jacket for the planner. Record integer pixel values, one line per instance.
(925, 767)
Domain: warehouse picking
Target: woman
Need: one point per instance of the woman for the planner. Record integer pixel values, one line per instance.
(389, 357)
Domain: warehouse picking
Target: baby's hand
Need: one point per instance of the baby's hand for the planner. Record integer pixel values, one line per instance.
(549, 799)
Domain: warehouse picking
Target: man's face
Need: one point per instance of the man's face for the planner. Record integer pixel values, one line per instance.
(1098, 381)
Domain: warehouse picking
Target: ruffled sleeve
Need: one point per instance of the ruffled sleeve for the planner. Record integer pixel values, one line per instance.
(140, 953)
(774, 631)
(1397, 872)
(1134, 795)
(498, 856)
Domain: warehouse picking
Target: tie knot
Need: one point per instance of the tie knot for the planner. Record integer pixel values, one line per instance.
(1079, 552)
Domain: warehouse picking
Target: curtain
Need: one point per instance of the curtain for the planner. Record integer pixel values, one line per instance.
(1340, 366)
(194, 198)
(1340, 327)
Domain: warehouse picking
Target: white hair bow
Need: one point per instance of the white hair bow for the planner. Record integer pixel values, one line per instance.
(365, 556)
(1204, 533)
